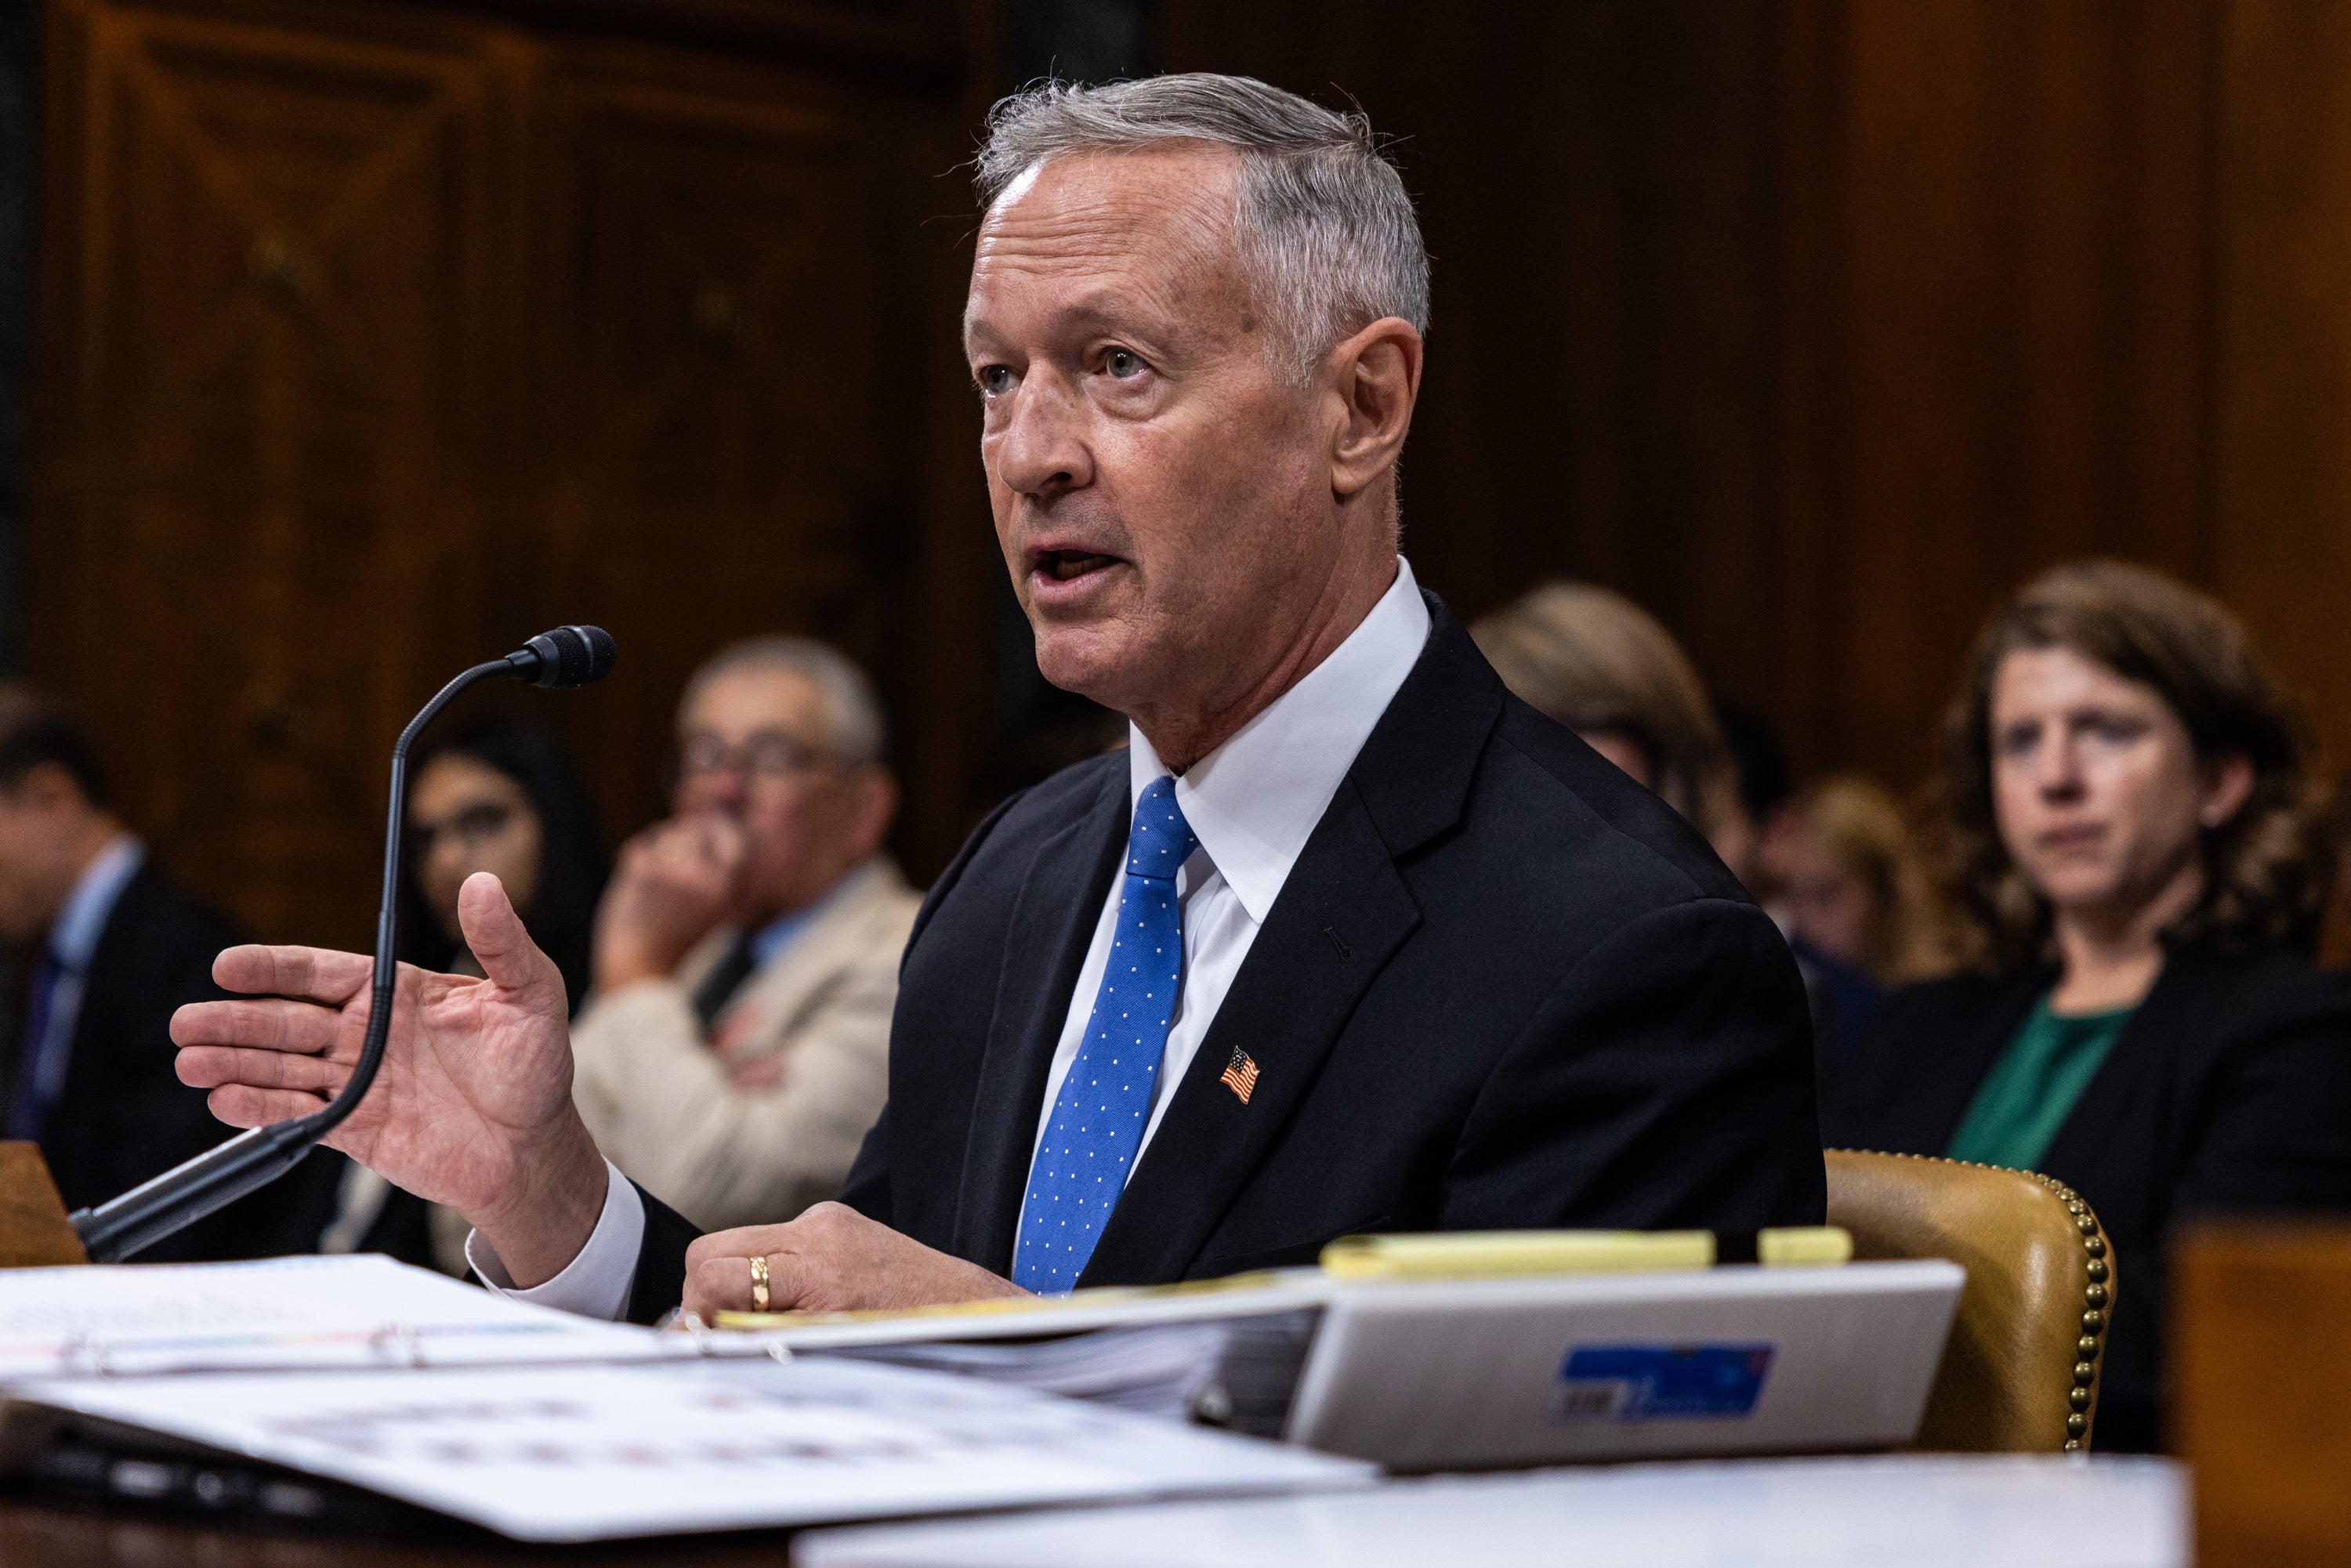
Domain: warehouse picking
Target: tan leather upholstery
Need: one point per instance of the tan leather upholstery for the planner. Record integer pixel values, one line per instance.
(2019, 1374)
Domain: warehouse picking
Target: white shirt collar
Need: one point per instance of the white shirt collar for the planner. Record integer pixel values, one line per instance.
(73, 938)
(1254, 800)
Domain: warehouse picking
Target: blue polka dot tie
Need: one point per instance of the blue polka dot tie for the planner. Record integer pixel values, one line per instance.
(1089, 1145)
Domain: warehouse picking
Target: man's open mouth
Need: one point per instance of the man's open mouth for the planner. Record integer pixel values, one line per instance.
(1062, 565)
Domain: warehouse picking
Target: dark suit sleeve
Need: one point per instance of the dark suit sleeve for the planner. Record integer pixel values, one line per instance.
(867, 1191)
(125, 1116)
(1666, 1083)
(2277, 1129)
(660, 1283)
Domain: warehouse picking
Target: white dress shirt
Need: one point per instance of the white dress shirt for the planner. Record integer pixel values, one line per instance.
(1252, 802)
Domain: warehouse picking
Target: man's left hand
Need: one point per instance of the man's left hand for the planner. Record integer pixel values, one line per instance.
(831, 1260)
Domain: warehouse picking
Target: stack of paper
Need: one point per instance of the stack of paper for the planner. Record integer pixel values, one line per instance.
(548, 1426)
(590, 1453)
(123, 1320)
(1430, 1372)
(1238, 1372)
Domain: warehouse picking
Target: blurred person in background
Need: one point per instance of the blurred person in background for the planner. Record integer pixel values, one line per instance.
(108, 949)
(2335, 935)
(1759, 793)
(501, 795)
(1602, 665)
(1859, 907)
(736, 1047)
(497, 796)
(2140, 881)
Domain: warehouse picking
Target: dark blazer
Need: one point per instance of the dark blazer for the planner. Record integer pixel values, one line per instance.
(1503, 987)
(123, 1115)
(2230, 1089)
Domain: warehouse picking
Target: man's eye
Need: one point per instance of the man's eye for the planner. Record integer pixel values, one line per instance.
(996, 379)
(1122, 363)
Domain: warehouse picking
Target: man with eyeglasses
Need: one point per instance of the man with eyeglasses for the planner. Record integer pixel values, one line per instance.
(735, 1044)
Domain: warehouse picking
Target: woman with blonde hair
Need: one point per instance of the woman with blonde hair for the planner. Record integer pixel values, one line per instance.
(1603, 666)
(1858, 905)
(1854, 884)
(2138, 880)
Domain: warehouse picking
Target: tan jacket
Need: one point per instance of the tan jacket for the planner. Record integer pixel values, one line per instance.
(811, 1030)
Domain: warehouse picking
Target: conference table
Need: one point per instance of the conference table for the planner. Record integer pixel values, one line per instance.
(38, 1534)
(1921, 1511)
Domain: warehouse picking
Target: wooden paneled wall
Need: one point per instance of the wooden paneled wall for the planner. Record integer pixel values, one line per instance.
(1817, 325)
(378, 337)
(2282, 321)
(376, 334)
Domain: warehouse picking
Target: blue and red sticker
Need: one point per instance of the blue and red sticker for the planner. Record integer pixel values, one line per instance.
(1660, 1383)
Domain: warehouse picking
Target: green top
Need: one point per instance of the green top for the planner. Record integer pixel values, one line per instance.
(2034, 1086)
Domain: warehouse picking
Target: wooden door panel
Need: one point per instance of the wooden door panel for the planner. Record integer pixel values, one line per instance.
(712, 467)
(377, 336)
(274, 437)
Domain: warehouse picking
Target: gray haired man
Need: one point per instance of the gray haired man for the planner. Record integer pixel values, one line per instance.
(1347, 939)
(736, 1047)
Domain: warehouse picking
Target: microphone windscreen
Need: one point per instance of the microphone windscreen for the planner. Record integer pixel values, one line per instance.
(572, 656)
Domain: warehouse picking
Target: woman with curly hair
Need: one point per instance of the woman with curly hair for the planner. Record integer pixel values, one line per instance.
(2139, 880)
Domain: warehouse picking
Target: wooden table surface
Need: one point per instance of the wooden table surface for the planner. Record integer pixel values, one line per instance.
(38, 1534)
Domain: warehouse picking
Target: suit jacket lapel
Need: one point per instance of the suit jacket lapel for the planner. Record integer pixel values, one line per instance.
(2177, 1004)
(1925, 1094)
(1050, 926)
(1340, 915)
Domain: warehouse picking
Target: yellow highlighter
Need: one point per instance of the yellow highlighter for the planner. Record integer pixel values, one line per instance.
(1486, 1254)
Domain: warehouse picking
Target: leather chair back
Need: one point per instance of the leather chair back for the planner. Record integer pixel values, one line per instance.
(2021, 1371)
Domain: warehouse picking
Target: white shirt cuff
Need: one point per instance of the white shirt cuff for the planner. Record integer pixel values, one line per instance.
(596, 1283)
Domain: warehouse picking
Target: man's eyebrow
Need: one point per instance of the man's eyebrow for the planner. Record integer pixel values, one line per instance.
(1106, 308)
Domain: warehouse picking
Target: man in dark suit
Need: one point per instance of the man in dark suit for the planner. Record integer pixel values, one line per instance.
(108, 950)
(1347, 939)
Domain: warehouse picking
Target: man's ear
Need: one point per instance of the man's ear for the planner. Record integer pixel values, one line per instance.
(2228, 784)
(1376, 374)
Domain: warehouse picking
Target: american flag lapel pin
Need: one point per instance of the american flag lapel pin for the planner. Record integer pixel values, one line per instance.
(1240, 1075)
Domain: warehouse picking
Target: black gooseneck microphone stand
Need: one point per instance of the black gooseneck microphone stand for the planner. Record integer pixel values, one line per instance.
(567, 657)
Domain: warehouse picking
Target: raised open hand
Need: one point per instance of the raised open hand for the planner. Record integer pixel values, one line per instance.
(472, 1106)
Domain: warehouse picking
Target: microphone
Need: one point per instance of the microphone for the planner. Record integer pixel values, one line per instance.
(567, 657)
(164, 1204)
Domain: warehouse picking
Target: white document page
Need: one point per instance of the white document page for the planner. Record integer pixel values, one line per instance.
(124, 1319)
(586, 1453)
(2014, 1511)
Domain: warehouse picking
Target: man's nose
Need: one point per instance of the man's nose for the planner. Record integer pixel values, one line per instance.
(722, 788)
(1041, 451)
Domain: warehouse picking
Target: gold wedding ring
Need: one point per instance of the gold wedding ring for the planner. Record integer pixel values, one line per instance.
(759, 1283)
